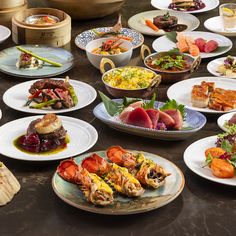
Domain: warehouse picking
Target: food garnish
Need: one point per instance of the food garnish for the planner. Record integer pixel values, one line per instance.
(43, 135)
(110, 47)
(51, 93)
(228, 68)
(143, 114)
(151, 25)
(222, 158)
(30, 54)
(206, 95)
(93, 187)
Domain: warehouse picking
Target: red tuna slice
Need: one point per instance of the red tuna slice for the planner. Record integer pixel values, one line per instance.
(136, 104)
(200, 42)
(139, 117)
(211, 46)
(166, 119)
(125, 114)
(154, 116)
(177, 117)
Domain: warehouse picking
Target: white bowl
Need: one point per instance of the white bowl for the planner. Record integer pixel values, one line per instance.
(4, 33)
(121, 59)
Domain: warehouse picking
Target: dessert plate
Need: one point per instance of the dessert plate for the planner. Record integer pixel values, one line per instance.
(9, 57)
(4, 33)
(82, 137)
(150, 200)
(193, 119)
(163, 5)
(16, 97)
(164, 44)
(181, 91)
(137, 22)
(215, 24)
(212, 67)
(85, 37)
(194, 158)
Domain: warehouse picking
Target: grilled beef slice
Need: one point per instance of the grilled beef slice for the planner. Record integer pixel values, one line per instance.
(65, 97)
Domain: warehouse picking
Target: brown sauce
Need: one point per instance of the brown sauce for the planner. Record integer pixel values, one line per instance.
(177, 28)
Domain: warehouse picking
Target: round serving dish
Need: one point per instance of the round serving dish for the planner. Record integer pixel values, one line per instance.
(57, 35)
(121, 59)
(7, 4)
(33, 19)
(81, 10)
(168, 76)
(135, 93)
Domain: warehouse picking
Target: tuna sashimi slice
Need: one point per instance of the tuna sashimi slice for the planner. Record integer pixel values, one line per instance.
(177, 117)
(154, 116)
(139, 117)
(125, 114)
(166, 119)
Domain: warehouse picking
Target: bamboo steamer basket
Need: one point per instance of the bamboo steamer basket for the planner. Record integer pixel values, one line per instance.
(7, 14)
(56, 35)
(84, 9)
(7, 4)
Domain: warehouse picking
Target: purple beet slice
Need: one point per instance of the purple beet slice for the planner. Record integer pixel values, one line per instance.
(154, 116)
(177, 117)
(166, 119)
(139, 117)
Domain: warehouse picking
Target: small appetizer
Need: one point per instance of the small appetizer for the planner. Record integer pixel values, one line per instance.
(228, 68)
(118, 177)
(29, 60)
(165, 21)
(9, 185)
(115, 31)
(129, 78)
(187, 44)
(51, 93)
(94, 188)
(206, 95)
(110, 47)
(143, 114)
(222, 158)
(171, 62)
(43, 135)
(187, 5)
(145, 170)
(42, 20)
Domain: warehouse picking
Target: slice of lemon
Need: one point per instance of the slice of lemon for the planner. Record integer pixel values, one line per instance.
(228, 12)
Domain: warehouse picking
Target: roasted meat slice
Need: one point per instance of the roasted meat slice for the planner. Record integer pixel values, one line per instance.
(166, 21)
(49, 94)
(64, 97)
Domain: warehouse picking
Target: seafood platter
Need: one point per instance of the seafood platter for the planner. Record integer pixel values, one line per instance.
(91, 168)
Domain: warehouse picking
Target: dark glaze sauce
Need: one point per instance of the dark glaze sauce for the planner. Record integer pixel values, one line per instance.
(177, 28)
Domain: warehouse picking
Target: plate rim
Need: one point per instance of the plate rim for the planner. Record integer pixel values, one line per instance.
(93, 90)
(72, 62)
(221, 118)
(172, 197)
(213, 178)
(202, 78)
(37, 159)
(84, 49)
(161, 34)
(217, 3)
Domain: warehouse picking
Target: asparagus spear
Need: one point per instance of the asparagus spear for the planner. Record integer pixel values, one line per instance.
(72, 91)
(44, 104)
(39, 57)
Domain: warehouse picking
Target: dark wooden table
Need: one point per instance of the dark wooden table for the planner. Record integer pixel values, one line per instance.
(203, 208)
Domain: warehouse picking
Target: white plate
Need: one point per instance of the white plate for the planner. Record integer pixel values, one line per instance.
(224, 118)
(194, 158)
(215, 24)
(4, 33)
(212, 66)
(16, 97)
(82, 136)
(136, 22)
(164, 44)
(181, 91)
(163, 4)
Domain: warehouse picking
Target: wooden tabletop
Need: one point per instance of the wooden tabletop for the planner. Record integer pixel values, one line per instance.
(203, 208)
